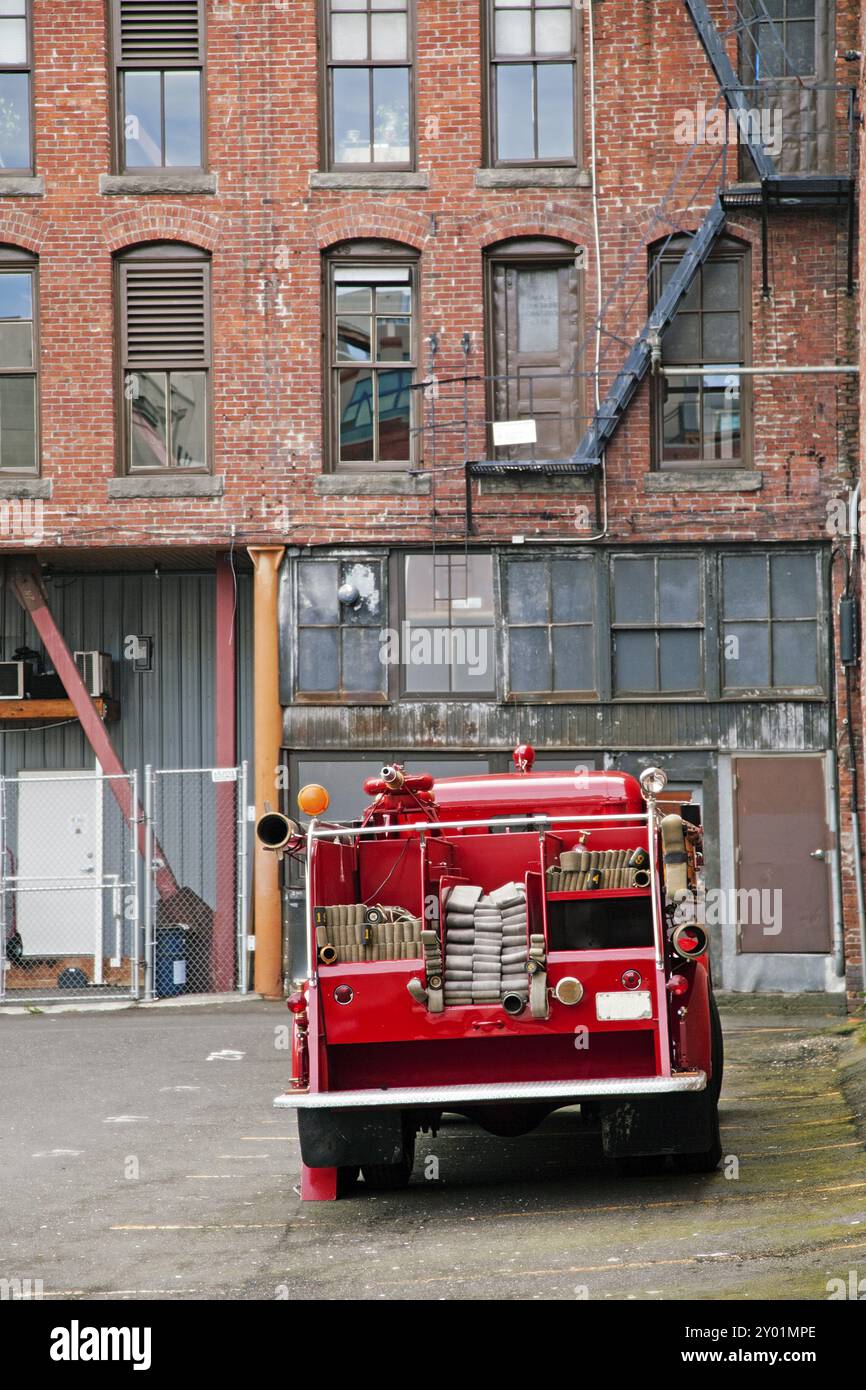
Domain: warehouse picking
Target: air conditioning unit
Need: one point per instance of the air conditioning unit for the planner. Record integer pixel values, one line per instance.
(12, 676)
(95, 669)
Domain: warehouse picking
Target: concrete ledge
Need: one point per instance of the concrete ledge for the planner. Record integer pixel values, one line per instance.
(530, 177)
(373, 485)
(26, 487)
(27, 187)
(371, 179)
(160, 181)
(535, 483)
(173, 485)
(704, 480)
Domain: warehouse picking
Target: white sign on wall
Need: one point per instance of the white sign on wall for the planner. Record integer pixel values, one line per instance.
(514, 432)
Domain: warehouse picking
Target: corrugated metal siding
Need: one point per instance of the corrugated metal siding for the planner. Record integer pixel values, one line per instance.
(777, 726)
(167, 714)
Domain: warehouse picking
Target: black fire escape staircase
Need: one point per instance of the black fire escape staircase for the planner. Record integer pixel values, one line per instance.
(771, 189)
(775, 188)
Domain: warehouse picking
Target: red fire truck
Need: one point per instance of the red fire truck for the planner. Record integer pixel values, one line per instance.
(499, 947)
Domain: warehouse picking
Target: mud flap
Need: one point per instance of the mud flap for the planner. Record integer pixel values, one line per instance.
(660, 1125)
(339, 1138)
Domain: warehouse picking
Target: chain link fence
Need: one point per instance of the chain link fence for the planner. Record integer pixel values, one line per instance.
(195, 907)
(123, 887)
(69, 921)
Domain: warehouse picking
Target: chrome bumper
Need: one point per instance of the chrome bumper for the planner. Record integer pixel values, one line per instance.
(449, 1097)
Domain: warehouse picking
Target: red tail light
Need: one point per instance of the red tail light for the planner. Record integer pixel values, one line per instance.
(344, 994)
(677, 984)
(689, 941)
(296, 1003)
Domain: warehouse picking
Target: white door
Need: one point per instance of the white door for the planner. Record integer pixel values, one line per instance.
(59, 867)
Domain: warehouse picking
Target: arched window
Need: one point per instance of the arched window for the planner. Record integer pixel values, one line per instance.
(163, 291)
(19, 362)
(535, 343)
(372, 355)
(704, 417)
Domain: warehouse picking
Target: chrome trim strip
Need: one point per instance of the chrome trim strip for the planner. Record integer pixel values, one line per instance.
(447, 1096)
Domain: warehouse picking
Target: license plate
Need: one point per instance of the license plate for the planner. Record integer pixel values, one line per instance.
(624, 1004)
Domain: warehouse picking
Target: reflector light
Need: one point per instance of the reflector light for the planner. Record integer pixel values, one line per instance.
(313, 799)
(344, 994)
(569, 990)
(631, 979)
(689, 941)
(296, 1003)
(677, 984)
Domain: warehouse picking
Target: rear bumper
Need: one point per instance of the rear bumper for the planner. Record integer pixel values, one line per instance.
(450, 1097)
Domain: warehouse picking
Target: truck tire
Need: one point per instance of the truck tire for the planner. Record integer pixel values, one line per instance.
(391, 1177)
(706, 1160)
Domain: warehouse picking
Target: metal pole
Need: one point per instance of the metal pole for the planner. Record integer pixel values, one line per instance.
(136, 897)
(768, 370)
(243, 830)
(148, 883)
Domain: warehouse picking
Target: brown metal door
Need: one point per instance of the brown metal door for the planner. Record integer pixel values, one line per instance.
(782, 843)
(535, 346)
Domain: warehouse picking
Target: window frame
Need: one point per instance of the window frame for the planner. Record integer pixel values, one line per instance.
(17, 260)
(360, 255)
(162, 253)
(29, 170)
(117, 100)
(780, 22)
(400, 616)
(657, 627)
(551, 696)
(327, 162)
(339, 696)
(778, 692)
(727, 249)
(489, 104)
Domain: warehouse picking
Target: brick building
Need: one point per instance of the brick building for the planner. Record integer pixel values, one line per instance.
(291, 262)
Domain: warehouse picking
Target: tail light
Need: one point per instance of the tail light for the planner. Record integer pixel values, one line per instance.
(631, 979)
(677, 984)
(296, 1003)
(344, 994)
(689, 941)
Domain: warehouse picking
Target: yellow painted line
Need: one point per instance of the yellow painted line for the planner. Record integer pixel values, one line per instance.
(792, 1153)
(207, 1226)
(685, 1260)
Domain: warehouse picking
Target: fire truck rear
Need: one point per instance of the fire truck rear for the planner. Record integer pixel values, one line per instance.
(499, 947)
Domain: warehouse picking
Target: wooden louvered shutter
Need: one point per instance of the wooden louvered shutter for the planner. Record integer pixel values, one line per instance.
(165, 320)
(159, 33)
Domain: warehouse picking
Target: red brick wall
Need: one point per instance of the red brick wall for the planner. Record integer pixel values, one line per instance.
(266, 229)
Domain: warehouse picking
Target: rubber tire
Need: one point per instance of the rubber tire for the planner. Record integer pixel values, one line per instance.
(347, 1179)
(391, 1177)
(717, 1043)
(707, 1160)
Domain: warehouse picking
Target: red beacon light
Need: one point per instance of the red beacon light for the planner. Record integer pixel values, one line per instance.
(296, 1002)
(524, 757)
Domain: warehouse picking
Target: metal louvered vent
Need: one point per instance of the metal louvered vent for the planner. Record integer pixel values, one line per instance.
(160, 31)
(166, 322)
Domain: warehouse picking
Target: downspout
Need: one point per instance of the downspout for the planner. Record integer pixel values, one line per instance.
(267, 737)
(833, 806)
(854, 532)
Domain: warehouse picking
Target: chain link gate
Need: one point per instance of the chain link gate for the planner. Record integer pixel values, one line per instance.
(195, 881)
(69, 886)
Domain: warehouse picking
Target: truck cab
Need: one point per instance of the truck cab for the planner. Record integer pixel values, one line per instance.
(499, 947)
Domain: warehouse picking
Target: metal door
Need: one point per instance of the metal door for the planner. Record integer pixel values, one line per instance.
(782, 845)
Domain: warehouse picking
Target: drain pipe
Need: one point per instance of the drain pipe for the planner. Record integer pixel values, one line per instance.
(854, 533)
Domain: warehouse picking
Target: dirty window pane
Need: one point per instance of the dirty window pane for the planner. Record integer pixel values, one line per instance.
(721, 338)
(529, 659)
(744, 580)
(527, 592)
(318, 659)
(795, 654)
(722, 285)
(635, 660)
(681, 341)
(747, 655)
(573, 665)
(571, 583)
(794, 585)
(679, 591)
(366, 610)
(317, 593)
(363, 668)
(680, 661)
(633, 588)
(537, 310)
(553, 31)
